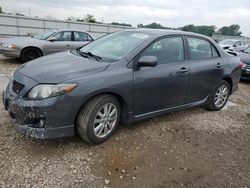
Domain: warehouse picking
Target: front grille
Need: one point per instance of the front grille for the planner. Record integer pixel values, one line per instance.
(17, 87)
(247, 66)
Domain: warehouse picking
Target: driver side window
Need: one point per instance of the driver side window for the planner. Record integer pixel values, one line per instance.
(167, 50)
(63, 36)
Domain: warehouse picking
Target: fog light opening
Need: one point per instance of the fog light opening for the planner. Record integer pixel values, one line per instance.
(41, 123)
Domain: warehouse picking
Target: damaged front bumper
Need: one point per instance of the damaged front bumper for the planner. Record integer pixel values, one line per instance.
(38, 118)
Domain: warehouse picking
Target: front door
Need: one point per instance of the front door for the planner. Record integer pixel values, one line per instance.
(63, 42)
(163, 86)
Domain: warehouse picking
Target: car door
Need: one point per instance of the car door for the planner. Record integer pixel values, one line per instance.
(61, 41)
(163, 86)
(206, 68)
(80, 39)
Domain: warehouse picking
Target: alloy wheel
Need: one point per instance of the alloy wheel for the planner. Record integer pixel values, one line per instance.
(105, 120)
(221, 96)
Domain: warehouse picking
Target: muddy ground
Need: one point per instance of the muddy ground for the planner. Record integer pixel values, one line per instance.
(192, 148)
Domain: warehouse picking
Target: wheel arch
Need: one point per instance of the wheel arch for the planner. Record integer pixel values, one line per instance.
(119, 97)
(229, 80)
(32, 47)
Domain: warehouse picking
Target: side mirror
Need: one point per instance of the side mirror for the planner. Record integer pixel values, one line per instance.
(52, 39)
(147, 61)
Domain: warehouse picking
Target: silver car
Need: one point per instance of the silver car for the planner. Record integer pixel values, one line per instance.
(233, 45)
(28, 48)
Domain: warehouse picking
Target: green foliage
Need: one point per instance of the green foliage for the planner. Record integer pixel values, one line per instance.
(203, 29)
(1, 10)
(232, 30)
(121, 24)
(88, 18)
(153, 26)
(71, 18)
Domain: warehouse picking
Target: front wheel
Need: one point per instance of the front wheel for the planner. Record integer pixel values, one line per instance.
(220, 97)
(29, 54)
(98, 119)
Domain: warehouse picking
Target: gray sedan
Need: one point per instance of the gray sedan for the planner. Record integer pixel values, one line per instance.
(28, 48)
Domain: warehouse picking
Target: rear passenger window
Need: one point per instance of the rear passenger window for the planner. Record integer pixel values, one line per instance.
(81, 36)
(201, 49)
(166, 50)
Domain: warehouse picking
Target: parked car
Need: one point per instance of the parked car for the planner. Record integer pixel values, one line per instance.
(125, 76)
(28, 48)
(233, 45)
(245, 59)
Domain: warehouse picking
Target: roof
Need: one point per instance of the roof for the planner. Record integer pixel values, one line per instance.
(164, 32)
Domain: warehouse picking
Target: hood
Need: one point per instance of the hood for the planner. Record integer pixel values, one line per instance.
(59, 67)
(244, 57)
(22, 41)
(15, 39)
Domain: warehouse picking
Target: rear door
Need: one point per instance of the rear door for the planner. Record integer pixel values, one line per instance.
(163, 86)
(206, 68)
(63, 42)
(80, 39)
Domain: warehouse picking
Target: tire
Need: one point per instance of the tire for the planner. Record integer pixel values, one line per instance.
(221, 93)
(96, 133)
(29, 54)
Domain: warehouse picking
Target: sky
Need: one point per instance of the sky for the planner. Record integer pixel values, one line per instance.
(170, 13)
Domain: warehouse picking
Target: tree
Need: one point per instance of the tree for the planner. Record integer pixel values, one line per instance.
(71, 18)
(203, 29)
(121, 24)
(153, 26)
(90, 18)
(1, 10)
(232, 30)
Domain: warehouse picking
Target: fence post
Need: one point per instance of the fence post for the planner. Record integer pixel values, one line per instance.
(17, 26)
(44, 25)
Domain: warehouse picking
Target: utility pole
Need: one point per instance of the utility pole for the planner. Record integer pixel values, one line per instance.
(29, 10)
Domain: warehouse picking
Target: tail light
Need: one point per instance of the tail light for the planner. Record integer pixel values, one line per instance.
(241, 64)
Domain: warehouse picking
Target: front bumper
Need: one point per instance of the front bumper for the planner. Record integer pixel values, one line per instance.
(48, 118)
(245, 74)
(9, 52)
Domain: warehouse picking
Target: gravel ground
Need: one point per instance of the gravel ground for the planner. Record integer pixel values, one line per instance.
(193, 148)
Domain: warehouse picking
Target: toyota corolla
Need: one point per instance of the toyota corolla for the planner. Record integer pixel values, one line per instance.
(125, 77)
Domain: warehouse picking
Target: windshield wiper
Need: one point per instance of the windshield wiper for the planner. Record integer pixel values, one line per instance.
(89, 54)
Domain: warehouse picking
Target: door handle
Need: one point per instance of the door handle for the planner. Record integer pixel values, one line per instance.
(67, 45)
(183, 70)
(218, 65)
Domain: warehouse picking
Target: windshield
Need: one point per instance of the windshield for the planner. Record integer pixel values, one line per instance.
(45, 35)
(247, 50)
(115, 46)
(228, 42)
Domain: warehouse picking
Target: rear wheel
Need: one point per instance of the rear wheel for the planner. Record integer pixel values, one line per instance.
(30, 54)
(98, 119)
(220, 97)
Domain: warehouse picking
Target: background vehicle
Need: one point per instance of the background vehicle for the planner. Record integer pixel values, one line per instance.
(28, 48)
(245, 59)
(128, 76)
(234, 45)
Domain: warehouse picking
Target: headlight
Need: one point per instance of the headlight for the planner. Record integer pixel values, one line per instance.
(244, 65)
(43, 91)
(13, 46)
